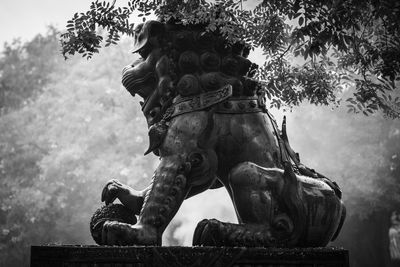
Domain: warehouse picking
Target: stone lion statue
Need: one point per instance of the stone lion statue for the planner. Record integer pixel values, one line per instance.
(209, 124)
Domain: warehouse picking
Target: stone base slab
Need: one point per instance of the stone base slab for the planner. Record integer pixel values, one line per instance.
(107, 256)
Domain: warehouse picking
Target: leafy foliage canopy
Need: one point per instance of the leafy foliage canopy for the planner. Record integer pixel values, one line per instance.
(338, 44)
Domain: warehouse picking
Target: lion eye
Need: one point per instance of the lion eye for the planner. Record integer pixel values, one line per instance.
(153, 113)
(196, 159)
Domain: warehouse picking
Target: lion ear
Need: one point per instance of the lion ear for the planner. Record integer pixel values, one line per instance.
(144, 33)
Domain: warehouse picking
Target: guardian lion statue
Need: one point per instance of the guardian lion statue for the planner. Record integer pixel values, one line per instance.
(209, 124)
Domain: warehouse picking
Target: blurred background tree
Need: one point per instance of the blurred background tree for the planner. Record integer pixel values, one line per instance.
(36, 60)
(66, 127)
(60, 143)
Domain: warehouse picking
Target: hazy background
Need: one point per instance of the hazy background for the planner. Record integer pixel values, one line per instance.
(66, 127)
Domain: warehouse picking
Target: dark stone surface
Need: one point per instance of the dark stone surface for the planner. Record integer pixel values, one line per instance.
(209, 124)
(106, 256)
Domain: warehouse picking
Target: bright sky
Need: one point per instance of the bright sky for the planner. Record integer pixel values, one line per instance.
(26, 18)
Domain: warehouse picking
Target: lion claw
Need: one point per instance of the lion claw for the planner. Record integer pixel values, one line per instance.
(124, 234)
(110, 191)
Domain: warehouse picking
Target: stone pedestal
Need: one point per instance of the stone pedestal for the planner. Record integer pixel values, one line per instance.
(104, 256)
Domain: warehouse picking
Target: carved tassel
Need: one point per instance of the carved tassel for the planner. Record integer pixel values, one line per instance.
(157, 133)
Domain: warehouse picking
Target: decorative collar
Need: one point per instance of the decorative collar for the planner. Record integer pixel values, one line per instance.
(182, 105)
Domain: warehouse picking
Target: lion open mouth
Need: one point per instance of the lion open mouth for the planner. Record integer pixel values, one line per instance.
(139, 77)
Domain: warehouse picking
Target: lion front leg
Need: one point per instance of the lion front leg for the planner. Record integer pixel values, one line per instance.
(161, 202)
(185, 169)
(174, 180)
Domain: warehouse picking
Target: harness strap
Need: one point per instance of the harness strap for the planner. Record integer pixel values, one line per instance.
(182, 105)
(239, 105)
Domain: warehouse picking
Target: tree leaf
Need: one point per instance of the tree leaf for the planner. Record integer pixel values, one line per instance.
(301, 20)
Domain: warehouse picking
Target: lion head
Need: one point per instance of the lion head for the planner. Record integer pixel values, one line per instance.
(182, 61)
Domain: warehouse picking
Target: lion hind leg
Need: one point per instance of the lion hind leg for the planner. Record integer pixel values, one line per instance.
(215, 233)
(255, 193)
